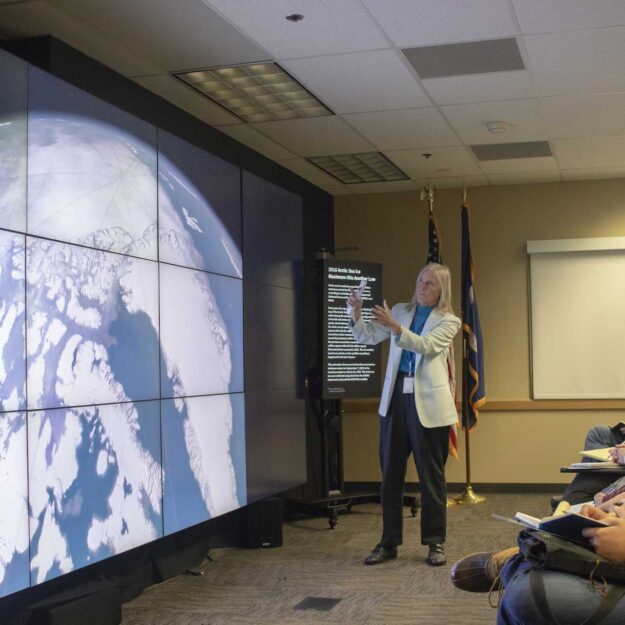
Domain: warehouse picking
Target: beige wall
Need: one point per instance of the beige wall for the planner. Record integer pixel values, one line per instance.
(513, 447)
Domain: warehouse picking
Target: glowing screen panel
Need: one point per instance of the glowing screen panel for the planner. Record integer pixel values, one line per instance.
(14, 569)
(12, 322)
(95, 484)
(203, 458)
(199, 208)
(91, 171)
(13, 89)
(92, 332)
(201, 333)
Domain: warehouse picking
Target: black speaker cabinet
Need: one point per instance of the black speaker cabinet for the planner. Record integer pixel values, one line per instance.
(264, 523)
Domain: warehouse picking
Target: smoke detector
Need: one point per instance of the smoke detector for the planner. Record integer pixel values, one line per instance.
(496, 128)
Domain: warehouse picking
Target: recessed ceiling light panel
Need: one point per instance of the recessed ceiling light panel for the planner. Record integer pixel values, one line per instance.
(355, 168)
(255, 92)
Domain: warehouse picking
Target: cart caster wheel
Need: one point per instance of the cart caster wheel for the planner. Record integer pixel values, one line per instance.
(333, 520)
(413, 511)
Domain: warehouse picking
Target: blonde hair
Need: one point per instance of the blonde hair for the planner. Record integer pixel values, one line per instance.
(442, 276)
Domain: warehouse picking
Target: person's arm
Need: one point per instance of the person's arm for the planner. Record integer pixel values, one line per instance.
(434, 342)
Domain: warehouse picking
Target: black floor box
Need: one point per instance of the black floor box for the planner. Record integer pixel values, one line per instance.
(264, 523)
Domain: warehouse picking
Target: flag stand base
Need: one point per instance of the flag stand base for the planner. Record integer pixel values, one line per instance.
(451, 502)
(469, 497)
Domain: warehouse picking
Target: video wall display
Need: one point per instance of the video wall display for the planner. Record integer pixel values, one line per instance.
(122, 413)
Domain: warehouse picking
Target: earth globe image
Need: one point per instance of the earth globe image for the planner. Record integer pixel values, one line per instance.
(121, 360)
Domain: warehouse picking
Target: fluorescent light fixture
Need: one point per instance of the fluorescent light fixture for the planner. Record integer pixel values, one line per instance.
(355, 168)
(257, 92)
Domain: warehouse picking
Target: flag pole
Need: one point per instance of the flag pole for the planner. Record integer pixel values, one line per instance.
(428, 193)
(468, 497)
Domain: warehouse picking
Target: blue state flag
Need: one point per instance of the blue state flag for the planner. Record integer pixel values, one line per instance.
(473, 389)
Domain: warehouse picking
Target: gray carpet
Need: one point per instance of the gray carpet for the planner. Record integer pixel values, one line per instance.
(254, 587)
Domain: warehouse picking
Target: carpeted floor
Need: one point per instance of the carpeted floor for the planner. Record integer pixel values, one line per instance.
(258, 587)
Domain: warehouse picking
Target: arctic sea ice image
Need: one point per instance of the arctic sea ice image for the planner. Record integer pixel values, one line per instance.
(93, 354)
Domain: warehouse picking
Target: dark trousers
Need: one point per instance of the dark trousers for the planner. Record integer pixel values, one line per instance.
(400, 433)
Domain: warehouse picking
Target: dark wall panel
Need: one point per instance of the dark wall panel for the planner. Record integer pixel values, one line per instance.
(274, 371)
(277, 459)
(272, 238)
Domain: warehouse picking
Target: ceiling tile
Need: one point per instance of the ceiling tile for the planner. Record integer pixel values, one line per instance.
(423, 22)
(584, 115)
(457, 182)
(589, 153)
(594, 174)
(519, 165)
(156, 31)
(328, 27)
(380, 187)
(316, 136)
(469, 121)
(586, 61)
(33, 19)
(405, 129)
(255, 140)
(341, 189)
(310, 172)
(377, 81)
(480, 87)
(444, 162)
(187, 99)
(525, 177)
(542, 16)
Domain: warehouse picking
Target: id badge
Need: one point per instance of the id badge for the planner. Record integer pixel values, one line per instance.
(408, 385)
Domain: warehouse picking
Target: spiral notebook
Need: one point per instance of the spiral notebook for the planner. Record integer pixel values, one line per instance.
(568, 526)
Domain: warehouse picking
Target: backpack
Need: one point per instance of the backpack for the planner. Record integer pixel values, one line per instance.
(544, 551)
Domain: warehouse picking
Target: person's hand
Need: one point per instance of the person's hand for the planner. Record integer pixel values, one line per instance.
(383, 315)
(594, 512)
(609, 542)
(610, 504)
(356, 303)
(617, 454)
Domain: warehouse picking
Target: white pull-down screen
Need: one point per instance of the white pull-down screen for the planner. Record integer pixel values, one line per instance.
(577, 316)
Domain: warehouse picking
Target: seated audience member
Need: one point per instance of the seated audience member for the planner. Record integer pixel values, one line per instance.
(570, 599)
(583, 486)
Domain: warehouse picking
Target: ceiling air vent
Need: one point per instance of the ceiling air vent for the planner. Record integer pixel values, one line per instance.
(505, 151)
(472, 57)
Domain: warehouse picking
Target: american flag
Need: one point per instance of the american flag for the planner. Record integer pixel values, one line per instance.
(434, 241)
(473, 389)
(434, 256)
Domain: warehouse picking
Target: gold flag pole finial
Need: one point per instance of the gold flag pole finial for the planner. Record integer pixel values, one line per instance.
(428, 191)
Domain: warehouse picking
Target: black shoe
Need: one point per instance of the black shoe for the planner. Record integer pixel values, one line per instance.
(436, 555)
(381, 554)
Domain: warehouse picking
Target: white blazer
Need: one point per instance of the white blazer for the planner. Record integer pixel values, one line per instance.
(435, 405)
